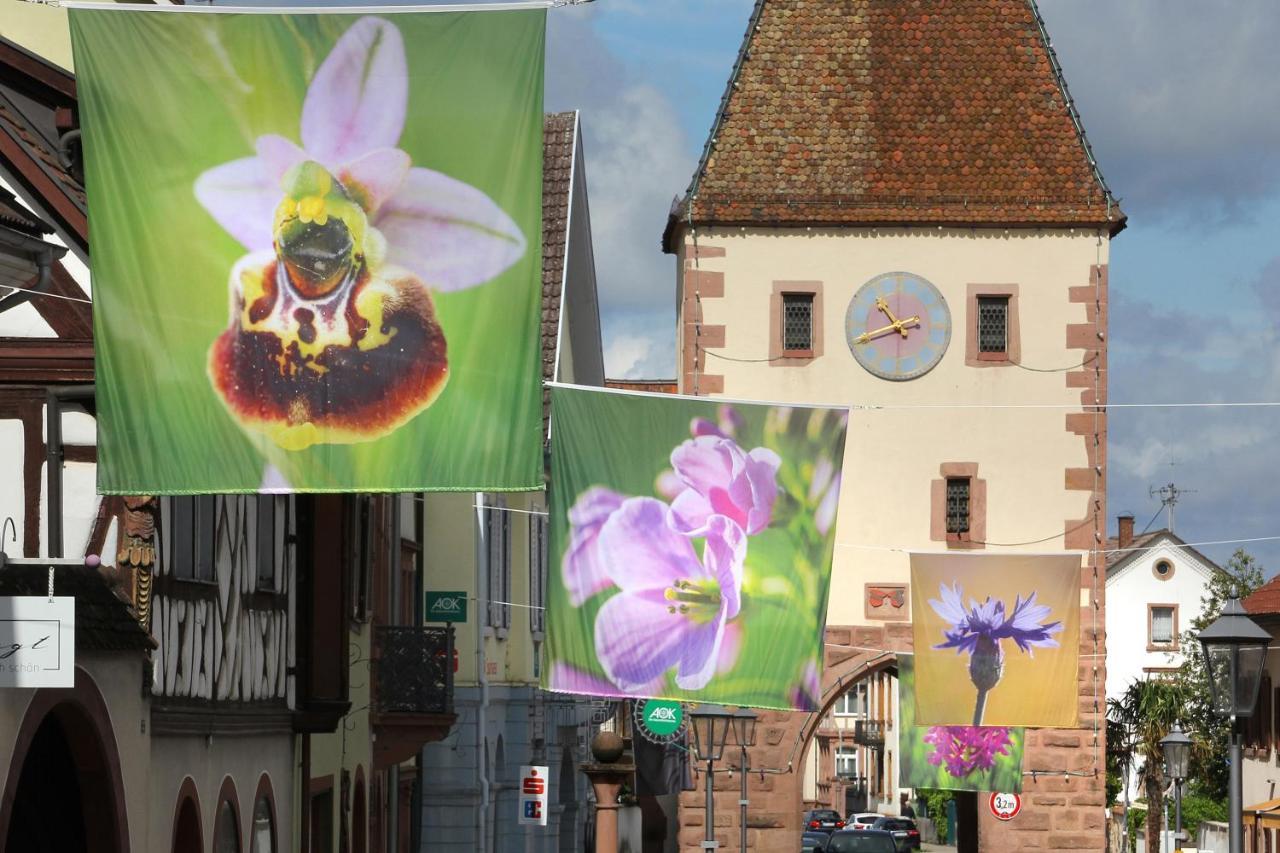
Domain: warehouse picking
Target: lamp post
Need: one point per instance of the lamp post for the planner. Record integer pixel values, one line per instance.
(1177, 754)
(711, 724)
(744, 732)
(1235, 650)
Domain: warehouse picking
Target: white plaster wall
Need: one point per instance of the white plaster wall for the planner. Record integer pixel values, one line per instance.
(79, 507)
(208, 760)
(1128, 594)
(892, 455)
(11, 484)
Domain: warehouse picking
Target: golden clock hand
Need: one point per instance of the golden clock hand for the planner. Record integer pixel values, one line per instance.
(865, 337)
(884, 306)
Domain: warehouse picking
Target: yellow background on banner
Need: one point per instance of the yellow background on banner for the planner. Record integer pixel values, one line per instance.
(1039, 691)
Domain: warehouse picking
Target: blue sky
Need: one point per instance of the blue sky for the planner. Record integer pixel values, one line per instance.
(1181, 100)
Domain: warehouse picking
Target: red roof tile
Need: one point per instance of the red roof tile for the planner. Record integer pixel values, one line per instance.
(559, 134)
(1265, 600)
(896, 112)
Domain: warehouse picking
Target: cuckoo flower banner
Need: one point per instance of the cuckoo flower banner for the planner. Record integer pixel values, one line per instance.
(315, 248)
(997, 639)
(954, 758)
(691, 545)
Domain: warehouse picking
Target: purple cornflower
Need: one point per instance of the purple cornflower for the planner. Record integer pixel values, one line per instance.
(989, 621)
(672, 606)
(980, 628)
(722, 479)
(964, 749)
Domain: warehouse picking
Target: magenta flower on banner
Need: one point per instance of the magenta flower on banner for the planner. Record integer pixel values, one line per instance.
(965, 749)
(583, 570)
(722, 479)
(979, 629)
(671, 608)
(728, 421)
(450, 234)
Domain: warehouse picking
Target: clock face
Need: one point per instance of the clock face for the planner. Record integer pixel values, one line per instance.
(898, 326)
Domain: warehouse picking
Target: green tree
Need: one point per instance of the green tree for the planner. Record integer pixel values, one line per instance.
(1209, 733)
(1142, 716)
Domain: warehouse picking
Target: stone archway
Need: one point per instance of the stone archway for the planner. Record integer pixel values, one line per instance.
(64, 789)
(776, 794)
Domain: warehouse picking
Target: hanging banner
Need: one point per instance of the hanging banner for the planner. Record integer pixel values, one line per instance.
(997, 639)
(691, 547)
(37, 641)
(954, 758)
(316, 260)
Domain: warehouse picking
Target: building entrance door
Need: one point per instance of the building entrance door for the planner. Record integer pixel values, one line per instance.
(59, 803)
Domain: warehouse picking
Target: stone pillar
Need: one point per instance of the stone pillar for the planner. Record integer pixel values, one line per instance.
(607, 776)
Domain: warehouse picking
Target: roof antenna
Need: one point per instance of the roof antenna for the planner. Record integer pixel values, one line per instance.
(1169, 495)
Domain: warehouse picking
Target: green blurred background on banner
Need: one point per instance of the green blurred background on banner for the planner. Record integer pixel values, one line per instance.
(639, 600)
(167, 97)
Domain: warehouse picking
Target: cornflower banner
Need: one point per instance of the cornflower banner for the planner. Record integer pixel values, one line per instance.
(315, 248)
(954, 758)
(997, 639)
(691, 545)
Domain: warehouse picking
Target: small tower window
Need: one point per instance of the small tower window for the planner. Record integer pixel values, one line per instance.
(957, 505)
(993, 326)
(797, 324)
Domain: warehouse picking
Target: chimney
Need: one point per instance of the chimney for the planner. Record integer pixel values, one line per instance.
(1126, 529)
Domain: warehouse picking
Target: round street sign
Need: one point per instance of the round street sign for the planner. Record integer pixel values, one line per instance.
(1006, 806)
(660, 720)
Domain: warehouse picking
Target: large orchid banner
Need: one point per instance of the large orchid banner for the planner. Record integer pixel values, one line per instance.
(954, 758)
(997, 639)
(315, 248)
(691, 545)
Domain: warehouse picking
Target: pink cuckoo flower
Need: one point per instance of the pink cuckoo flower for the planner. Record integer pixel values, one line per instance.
(583, 571)
(722, 479)
(672, 606)
(447, 232)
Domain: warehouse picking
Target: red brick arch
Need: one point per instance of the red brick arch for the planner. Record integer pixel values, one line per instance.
(782, 737)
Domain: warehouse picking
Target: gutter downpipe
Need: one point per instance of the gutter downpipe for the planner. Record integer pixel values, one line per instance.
(43, 254)
(482, 709)
(393, 772)
(54, 457)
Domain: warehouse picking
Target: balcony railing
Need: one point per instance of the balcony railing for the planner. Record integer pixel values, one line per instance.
(868, 732)
(413, 670)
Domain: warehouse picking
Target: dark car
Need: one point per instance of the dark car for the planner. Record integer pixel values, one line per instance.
(822, 820)
(813, 842)
(903, 828)
(862, 841)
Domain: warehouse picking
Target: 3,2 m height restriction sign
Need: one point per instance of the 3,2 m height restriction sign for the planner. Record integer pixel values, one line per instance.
(533, 795)
(1006, 806)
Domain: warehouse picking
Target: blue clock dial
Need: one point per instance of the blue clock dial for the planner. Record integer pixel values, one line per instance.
(898, 326)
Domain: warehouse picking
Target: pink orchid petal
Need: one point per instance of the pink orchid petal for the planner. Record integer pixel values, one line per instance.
(637, 639)
(278, 155)
(449, 233)
(241, 196)
(359, 96)
(375, 177)
(640, 551)
(699, 654)
(762, 478)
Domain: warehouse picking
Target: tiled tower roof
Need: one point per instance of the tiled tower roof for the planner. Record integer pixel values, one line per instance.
(897, 112)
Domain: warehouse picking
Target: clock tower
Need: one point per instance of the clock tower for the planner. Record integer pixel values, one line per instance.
(897, 210)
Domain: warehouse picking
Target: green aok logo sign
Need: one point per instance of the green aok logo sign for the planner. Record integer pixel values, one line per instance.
(446, 607)
(660, 720)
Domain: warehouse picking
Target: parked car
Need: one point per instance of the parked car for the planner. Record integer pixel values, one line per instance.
(813, 842)
(862, 820)
(822, 820)
(903, 828)
(861, 841)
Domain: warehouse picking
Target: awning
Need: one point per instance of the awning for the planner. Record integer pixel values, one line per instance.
(1265, 815)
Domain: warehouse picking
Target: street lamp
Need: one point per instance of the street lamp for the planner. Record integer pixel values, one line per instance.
(744, 732)
(711, 724)
(1177, 754)
(1235, 650)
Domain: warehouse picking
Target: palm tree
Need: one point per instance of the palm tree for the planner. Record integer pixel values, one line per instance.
(1144, 715)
